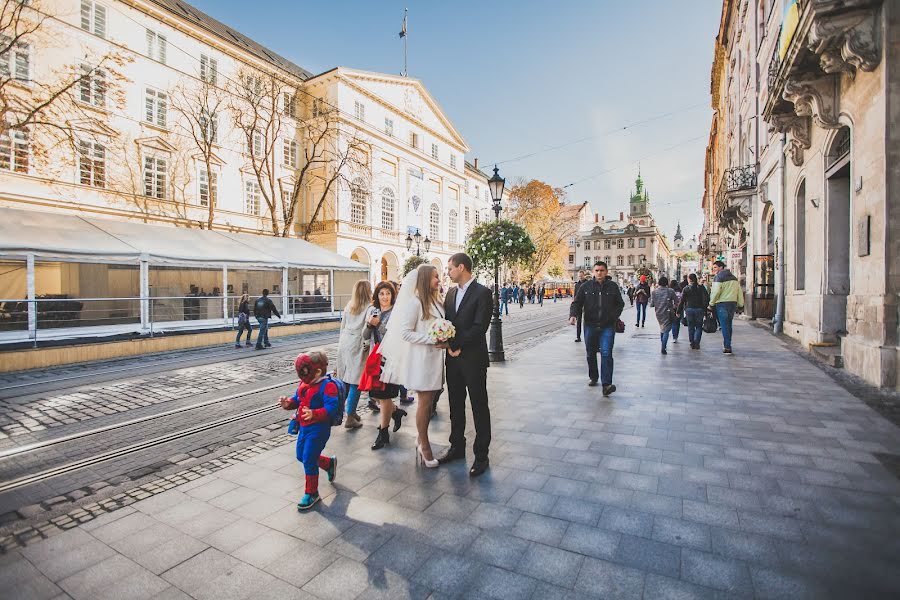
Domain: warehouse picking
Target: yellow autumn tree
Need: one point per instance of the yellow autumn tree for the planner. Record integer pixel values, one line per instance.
(540, 209)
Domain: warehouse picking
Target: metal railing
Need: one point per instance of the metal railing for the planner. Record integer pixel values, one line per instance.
(739, 178)
(60, 316)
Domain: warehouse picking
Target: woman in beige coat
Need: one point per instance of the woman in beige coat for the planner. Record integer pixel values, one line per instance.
(353, 349)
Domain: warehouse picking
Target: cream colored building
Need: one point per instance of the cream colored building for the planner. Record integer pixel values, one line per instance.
(812, 193)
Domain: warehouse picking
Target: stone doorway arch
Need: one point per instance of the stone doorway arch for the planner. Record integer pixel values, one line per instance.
(390, 267)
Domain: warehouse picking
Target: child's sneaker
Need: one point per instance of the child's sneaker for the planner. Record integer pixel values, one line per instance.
(308, 501)
(332, 470)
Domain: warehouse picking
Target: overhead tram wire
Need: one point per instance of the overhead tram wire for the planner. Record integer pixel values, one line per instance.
(346, 114)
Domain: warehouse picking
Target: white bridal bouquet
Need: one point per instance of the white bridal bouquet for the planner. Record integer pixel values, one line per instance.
(441, 330)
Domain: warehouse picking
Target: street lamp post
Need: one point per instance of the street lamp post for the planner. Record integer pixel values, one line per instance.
(417, 239)
(495, 347)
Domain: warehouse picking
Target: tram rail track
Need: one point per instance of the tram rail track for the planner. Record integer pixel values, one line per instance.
(514, 330)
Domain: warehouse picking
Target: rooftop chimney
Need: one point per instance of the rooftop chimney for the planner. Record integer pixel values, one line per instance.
(596, 217)
(621, 216)
(476, 164)
(603, 219)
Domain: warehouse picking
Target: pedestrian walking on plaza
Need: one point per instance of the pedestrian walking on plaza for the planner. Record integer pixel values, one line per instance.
(468, 307)
(262, 310)
(377, 317)
(725, 299)
(353, 349)
(641, 298)
(317, 403)
(541, 296)
(631, 294)
(601, 302)
(676, 323)
(522, 296)
(684, 282)
(694, 300)
(582, 277)
(244, 321)
(663, 301)
(504, 298)
(412, 357)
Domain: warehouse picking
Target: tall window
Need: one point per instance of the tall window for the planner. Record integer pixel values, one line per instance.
(91, 163)
(607, 260)
(477, 218)
(252, 195)
(389, 127)
(587, 244)
(287, 195)
(642, 243)
(452, 227)
(620, 260)
(15, 63)
(631, 242)
(209, 69)
(620, 244)
(358, 202)
(607, 244)
(359, 109)
(414, 139)
(15, 150)
(289, 105)
(587, 262)
(477, 191)
(434, 151)
(208, 187)
(93, 17)
(434, 222)
(155, 107)
(800, 237)
(630, 259)
(155, 177)
(452, 161)
(387, 209)
(255, 144)
(92, 86)
(467, 215)
(209, 126)
(156, 46)
(290, 154)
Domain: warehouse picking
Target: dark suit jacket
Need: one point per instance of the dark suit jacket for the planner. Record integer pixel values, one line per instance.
(471, 322)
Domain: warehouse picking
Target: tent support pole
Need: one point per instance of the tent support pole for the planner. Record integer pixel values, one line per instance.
(285, 301)
(145, 295)
(331, 288)
(225, 294)
(32, 304)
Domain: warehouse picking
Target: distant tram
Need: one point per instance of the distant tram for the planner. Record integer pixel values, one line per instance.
(563, 288)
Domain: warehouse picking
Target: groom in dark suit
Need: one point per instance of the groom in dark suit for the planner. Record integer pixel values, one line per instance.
(468, 306)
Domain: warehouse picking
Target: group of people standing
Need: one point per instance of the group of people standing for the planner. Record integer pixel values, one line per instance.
(520, 294)
(392, 323)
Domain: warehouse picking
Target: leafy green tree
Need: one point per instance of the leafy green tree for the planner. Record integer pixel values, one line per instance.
(499, 243)
(411, 263)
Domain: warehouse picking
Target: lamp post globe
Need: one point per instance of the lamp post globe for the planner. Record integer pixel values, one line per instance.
(495, 345)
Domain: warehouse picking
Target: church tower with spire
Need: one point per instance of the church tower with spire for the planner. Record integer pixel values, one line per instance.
(679, 239)
(639, 204)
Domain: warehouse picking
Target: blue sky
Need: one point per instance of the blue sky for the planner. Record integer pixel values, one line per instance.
(518, 76)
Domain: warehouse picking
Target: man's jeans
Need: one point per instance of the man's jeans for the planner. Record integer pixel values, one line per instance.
(676, 328)
(695, 323)
(641, 313)
(504, 305)
(262, 338)
(725, 313)
(600, 339)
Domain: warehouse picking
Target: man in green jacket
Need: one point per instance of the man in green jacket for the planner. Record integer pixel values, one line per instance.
(725, 299)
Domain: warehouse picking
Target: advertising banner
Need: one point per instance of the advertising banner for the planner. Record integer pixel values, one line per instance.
(790, 20)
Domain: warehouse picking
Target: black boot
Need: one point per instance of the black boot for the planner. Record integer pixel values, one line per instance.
(383, 438)
(397, 415)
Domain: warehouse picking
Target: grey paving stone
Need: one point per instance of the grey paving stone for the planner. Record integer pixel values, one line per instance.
(648, 555)
(774, 526)
(66, 554)
(20, 579)
(604, 494)
(198, 571)
(103, 574)
(681, 533)
(570, 488)
(661, 587)
(452, 507)
(609, 580)
(532, 501)
(656, 503)
(502, 584)
(494, 516)
(776, 583)
(669, 486)
(590, 541)
(498, 549)
(234, 535)
(744, 546)
(358, 542)
(267, 548)
(626, 521)
(528, 480)
(577, 511)
(552, 565)
(448, 573)
(539, 528)
(238, 582)
(715, 571)
(135, 586)
(711, 514)
(299, 572)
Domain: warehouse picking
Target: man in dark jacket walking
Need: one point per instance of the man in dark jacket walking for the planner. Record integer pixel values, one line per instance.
(262, 310)
(602, 303)
(582, 277)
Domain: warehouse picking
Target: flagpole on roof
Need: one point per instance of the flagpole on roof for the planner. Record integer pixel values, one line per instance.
(404, 37)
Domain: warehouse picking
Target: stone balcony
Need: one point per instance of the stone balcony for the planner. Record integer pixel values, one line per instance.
(736, 189)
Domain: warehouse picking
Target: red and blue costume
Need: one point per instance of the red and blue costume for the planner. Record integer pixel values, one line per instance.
(321, 398)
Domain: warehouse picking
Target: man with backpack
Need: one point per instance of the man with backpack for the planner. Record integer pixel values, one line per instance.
(602, 303)
(694, 299)
(725, 299)
(262, 310)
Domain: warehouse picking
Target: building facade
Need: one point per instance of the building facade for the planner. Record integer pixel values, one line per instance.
(807, 203)
(628, 244)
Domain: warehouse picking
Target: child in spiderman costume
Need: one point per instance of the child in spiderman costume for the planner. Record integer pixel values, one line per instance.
(316, 400)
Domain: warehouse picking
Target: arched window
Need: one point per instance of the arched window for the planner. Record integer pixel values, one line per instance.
(359, 201)
(452, 227)
(434, 222)
(800, 239)
(387, 209)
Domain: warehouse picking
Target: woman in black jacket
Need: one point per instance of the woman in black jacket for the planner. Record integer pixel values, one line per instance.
(694, 300)
(244, 321)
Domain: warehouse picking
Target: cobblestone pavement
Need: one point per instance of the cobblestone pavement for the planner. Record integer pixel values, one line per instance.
(704, 476)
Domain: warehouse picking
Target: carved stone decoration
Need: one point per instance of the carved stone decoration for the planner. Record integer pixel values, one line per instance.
(798, 128)
(847, 41)
(814, 97)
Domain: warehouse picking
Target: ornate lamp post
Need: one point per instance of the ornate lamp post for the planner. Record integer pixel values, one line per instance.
(417, 239)
(495, 347)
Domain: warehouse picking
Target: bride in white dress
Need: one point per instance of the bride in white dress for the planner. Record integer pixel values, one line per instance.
(412, 358)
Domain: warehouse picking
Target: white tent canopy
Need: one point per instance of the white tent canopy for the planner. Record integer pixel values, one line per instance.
(63, 236)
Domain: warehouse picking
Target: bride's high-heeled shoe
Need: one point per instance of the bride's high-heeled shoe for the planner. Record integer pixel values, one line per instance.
(431, 464)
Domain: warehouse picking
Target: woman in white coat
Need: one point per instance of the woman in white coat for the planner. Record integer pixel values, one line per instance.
(412, 358)
(353, 349)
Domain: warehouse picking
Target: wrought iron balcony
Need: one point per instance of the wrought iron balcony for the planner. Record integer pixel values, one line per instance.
(739, 178)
